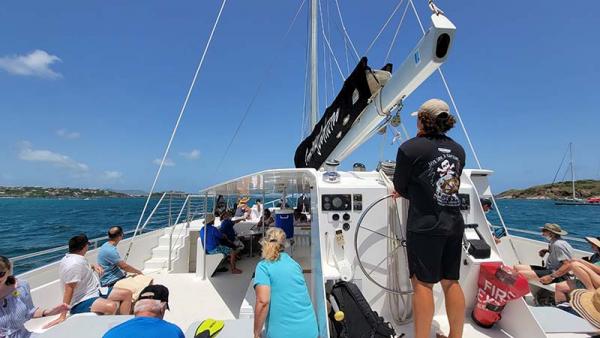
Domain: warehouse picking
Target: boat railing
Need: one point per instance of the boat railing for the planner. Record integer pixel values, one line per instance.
(195, 207)
(30, 259)
(167, 211)
(538, 234)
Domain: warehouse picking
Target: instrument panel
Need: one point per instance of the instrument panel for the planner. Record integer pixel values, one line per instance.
(337, 202)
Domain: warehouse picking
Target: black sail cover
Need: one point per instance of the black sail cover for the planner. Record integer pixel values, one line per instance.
(337, 119)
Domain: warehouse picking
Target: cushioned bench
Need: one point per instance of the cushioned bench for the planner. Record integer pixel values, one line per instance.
(212, 261)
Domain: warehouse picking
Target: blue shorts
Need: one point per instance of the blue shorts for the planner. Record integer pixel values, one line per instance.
(86, 305)
(221, 249)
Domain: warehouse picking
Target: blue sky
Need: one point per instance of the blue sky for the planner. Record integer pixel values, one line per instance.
(89, 91)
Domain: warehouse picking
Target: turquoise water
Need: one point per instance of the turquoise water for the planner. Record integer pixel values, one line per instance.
(30, 225)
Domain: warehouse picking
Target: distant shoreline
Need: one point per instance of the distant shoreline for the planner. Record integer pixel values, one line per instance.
(583, 189)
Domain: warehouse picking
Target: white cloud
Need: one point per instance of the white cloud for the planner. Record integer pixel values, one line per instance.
(69, 135)
(36, 63)
(168, 162)
(112, 175)
(47, 156)
(192, 155)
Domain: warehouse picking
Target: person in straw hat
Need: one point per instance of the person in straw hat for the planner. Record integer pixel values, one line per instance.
(587, 304)
(557, 264)
(586, 271)
(283, 304)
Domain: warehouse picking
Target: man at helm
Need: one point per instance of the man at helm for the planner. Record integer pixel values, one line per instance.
(428, 169)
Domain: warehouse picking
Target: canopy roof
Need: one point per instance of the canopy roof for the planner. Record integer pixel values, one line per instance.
(295, 181)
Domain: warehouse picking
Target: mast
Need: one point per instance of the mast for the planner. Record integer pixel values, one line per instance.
(572, 168)
(313, 64)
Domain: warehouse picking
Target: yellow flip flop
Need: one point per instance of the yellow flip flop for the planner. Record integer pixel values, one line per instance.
(209, 328)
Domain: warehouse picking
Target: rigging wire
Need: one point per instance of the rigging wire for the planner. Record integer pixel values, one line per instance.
(560, 166)
(384, 26)
(325, 76)
(258, 89)
(465, 132)
(181, 112)
(304, 121)
(347, 36)
(347, 60)
(387, 56)
(328, 44)
(329, 36)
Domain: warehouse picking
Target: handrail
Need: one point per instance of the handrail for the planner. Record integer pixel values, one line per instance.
(190, 217)
(537, 233)
(94, 241)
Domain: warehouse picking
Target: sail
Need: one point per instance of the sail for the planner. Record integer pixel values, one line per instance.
(338, 118)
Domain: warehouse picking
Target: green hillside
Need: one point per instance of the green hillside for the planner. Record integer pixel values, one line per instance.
(583, 189)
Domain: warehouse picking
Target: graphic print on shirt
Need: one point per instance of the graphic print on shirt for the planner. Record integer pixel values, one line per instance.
(443, 172)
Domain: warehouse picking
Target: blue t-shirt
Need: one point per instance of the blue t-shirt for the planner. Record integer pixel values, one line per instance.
(228, 230)
(291, 313)
(213, 238)
(146, 327)
(108, 258)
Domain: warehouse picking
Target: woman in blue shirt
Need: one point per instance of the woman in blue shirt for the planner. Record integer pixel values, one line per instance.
(16, 305)
(282, 301)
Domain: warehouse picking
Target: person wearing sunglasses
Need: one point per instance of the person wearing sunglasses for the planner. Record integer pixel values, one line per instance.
(16, 305)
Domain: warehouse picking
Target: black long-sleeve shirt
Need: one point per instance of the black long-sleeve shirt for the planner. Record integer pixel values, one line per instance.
(428, 170)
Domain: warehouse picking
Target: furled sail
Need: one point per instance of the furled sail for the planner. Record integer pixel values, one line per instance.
(339, 117)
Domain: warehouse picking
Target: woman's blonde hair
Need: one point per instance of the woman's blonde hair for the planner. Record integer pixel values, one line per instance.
(272, 244)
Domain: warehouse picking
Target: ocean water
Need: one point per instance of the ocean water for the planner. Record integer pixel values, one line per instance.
(29, 225)
(578, 220)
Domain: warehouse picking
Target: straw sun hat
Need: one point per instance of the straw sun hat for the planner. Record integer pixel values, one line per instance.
(587, 304)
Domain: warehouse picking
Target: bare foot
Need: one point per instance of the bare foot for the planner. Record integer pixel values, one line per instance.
(236, 271)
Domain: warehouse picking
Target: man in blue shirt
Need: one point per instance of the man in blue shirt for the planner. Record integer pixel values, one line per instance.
(212, 242)
(149, 311)
(110, 260)
(227, 229)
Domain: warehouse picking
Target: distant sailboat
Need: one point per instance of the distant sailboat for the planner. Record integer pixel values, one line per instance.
(573, 200)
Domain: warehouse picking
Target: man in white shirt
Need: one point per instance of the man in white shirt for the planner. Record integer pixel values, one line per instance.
(82, 289)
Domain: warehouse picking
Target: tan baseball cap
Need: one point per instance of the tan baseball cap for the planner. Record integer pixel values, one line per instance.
(434, 107)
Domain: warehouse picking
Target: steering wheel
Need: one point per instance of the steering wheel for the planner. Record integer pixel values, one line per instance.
(399, 244)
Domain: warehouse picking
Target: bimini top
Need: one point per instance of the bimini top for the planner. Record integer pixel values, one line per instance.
(267, 182)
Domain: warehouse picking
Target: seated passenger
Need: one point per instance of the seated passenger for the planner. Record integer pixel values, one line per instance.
(82, 289)
(266, 219)
(17, 306)
(256, 210)
(212, 242)
(149, 311)
(242, 209)
(486, 205)
(227, 229)
(557, 264)
(586, 271)
(110, 260)
(283, 304)
(299, 217)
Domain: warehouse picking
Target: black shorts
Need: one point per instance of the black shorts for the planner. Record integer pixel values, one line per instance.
(541, 271)
(433, 258)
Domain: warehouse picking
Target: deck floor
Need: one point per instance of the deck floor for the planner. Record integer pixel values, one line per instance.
(220, 297)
